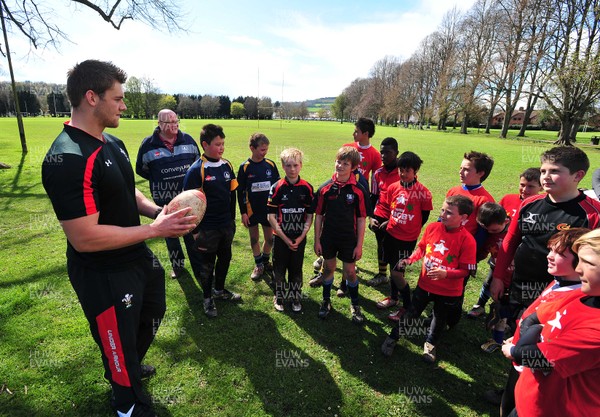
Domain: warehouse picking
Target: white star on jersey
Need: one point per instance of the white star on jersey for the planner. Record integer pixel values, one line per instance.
(401, 199)
(439, 247)
(555, 322)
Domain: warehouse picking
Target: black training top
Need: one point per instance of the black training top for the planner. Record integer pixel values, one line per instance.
(84, 176)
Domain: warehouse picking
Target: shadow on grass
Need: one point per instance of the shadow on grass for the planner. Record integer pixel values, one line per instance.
(282, 375)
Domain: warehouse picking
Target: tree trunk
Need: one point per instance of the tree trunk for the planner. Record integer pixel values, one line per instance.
(564, 136)
(506, 122)
(530, 106)
(464, 125)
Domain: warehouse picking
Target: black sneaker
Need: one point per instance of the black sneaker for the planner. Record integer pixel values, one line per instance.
(325, 309)
(209, 308)
(493, 396)
(357, 316)
(226, 295)
(147, 371)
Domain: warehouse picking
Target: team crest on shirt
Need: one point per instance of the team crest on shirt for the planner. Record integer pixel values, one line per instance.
(127, 300)
(268, 173)
(227, 175)
(349, 198)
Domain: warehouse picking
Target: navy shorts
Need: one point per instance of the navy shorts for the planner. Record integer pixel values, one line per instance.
(342, 248)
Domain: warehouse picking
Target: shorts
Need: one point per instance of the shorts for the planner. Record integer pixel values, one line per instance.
(258, 218)
(395, 249)
(342, 248)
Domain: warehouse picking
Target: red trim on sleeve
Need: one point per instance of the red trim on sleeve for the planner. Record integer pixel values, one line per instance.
(88, 191)
(108, 330)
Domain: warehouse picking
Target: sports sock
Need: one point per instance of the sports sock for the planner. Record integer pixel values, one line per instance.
(258, 260)
(383, 268)
(353, 291)
(393, 290)
(498, 336)
(327, 288)
(406, 296)
(265, 258)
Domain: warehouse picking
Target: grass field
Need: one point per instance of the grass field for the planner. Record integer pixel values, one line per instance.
(250, 360)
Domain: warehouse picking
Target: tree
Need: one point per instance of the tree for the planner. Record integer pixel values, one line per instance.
(237, 110)
(33, 20)
(251, 107)
(57, 103)
(188, 107)
(339, 106)
(265, 108)
(29, 102)
(134, 97)
(572, 83)
(209, 105)
(224, 107)
(167, 101)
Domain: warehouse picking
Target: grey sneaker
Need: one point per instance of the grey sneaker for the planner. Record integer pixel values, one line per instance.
(277, 303)
(343, 290)
(324, 309)
(226, 295)
(378, 279)
(428, 352)
(257, 272)
(318, 264)
(209, 308)
(357, 316)
(476, 311)
(388, 346)
(317, 281)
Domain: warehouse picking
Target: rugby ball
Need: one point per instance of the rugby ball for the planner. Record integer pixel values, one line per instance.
(189, 198)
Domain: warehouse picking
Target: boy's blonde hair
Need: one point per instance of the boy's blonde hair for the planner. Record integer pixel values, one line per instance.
(291, 154)
(348, 153)
(591, 239)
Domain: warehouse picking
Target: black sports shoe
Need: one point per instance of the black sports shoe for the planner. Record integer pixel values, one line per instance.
(325, 309)
(147, 371)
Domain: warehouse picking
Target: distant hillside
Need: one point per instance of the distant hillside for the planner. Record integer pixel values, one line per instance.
(316, 104)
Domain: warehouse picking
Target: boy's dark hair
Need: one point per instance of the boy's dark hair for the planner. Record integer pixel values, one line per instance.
(531, 174)
(390, 142)
(348, 153)
(463, 203)
(209, 132)
(257, 139)
(409, 159)
(483, 162)
(491, 213)
(94, 75)
(571, 157)
(366, 125)
(564, 239)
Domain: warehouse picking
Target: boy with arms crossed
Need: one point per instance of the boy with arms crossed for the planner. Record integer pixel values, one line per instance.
(255, 178)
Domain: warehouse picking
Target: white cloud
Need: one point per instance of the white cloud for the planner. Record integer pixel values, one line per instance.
(314, 55)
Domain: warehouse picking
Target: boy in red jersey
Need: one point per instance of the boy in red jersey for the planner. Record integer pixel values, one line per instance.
(370, 159)
(529, 185)
(448, 253)
(560, 346)
(383, 177)
(290, 215)
(410, 203)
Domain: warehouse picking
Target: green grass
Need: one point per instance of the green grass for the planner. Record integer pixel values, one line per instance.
(229, 365)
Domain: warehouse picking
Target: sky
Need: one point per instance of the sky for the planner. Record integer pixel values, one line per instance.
(289, 51)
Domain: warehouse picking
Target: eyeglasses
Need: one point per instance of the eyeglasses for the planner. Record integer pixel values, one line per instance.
(170, 123)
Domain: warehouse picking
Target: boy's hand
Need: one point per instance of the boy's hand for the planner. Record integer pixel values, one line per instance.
(383, 225)
(245, 220)
(357, 254)
(506, 348)
(292, 244)
(318, 250)
(437, 273)
(496, 289)
(373, 224)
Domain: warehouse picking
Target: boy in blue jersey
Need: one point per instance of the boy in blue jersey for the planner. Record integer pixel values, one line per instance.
(209, 246)
(255, 178)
